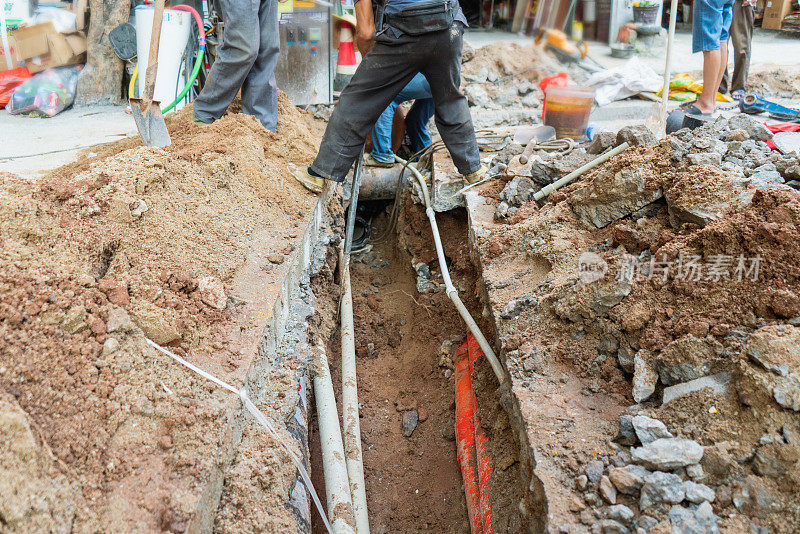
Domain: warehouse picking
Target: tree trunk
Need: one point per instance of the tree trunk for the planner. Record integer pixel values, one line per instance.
(100, 81)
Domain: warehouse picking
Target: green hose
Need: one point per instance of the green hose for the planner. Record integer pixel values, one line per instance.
(195, 70)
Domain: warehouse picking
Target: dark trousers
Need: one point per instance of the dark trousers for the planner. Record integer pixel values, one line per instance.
(741, 37)
(383, 73)
(246, 60)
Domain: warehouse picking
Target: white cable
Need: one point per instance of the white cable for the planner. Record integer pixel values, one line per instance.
(259, 416)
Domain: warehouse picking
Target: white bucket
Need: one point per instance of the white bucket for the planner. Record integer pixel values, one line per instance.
(175, 29)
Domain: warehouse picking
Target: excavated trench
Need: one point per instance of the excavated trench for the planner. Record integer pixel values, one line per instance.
(406, 342)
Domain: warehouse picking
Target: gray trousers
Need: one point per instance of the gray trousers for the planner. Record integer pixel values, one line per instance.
(246, 60)
(387, 68)
(741, 38)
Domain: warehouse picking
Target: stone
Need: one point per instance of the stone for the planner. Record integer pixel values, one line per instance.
(531, 101)
(627, 480)
(753, 127)
(518, 191)
(158, 324)
(582, 482)
(646, 523)
(699, 521)
(636, 135)
(619, 512)
(609, 526)
(626, 435)
(517, 306)
(687, 359)
(751, 497)
(645, 377)
(668, 453)
(695, 472)
(776, 349)
(611, 196)
(212, 292)
(594, 470)
(138, 209)
(115, 290)
(119, 320)
(691, 200)
(477, 96)
(607, 490)
(276, 258)
(660, 487)
(719, 384)
(601, 141)
(409, 422)
(625, 360)
(110, 346)
(698, 493)
(705, 158)
(649, 429)
(445, 195)
(75, 320)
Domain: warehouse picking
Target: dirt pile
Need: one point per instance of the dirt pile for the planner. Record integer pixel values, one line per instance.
(184, 245)
(647, 315)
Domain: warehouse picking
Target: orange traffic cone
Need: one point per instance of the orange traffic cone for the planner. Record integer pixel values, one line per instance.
(346, 62)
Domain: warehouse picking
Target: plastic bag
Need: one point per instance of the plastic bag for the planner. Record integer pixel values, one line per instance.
(561, 80)
(684, 88)
(46, 94)
(10, 80)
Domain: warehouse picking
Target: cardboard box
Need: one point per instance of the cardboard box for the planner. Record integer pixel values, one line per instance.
(774, 13)
(41, 47)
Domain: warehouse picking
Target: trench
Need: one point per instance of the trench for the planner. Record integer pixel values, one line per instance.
(405, 350)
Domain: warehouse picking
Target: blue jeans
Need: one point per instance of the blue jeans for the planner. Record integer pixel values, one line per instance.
(416, 120)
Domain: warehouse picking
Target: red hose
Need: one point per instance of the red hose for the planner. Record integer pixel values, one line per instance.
(471, 441)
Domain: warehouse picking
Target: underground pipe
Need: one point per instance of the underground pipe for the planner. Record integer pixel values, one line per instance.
(561, 182)
(337, 485)
(450, 289)
(350, 416)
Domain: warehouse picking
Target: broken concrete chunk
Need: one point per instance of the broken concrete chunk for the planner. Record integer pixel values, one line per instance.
(620, 512)
(660, 487)
(610, 197)
(212, 292)
(607, 490)
(601, 141)
(699, 521)
(698, 493)
(594, 470)
(74, 320)
(636, 135)
(719, 383)
(649, 429)
(645, 376)
(625, 480)
(517, 306)
(119, 320)
(668, 453)
(776, 349)
(687, 359)
(753, 127)
(518, 191)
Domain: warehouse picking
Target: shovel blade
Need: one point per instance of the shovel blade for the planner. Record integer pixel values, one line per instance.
(150, 123)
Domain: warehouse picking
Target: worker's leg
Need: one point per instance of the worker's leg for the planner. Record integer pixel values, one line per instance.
(741, 37)
(259, 91)
(382, 135)
(417, 89)
(234, 59)
(453, 120)
(417, 123)
(727, 20)
(707, 35)
(383, 72)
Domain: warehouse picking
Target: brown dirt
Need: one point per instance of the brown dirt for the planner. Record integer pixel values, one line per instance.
(133, 435)
(512, 59)
(780, 78)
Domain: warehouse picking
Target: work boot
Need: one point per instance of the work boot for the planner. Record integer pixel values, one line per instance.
(369, 161)
(476, 176)
(309, 181)
(198, 121)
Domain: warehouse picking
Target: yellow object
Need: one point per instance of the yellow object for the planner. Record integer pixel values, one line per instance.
(132, 84)
(684, 88)
(558, 39)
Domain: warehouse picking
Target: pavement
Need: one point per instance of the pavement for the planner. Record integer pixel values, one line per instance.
(38, 145)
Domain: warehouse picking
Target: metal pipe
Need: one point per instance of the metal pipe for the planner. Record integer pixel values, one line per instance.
(558, 184)
(673, 15)
(337, 485)
(350, 416)
(450, 289)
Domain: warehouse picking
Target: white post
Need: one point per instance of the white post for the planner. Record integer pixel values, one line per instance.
(673, 14)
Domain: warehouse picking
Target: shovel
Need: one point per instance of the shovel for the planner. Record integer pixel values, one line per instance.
(146, 111)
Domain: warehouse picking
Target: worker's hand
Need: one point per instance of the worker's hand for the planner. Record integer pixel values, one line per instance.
(365, 38)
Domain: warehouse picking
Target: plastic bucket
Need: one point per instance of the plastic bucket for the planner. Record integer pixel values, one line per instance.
(175, 30)
(568, 110)
(646, 15)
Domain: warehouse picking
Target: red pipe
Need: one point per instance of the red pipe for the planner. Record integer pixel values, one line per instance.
(471, 441)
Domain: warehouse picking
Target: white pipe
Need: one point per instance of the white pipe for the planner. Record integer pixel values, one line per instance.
(561, 182)
(673, 15)
(337, 486)
(350, 416)
(450, 290)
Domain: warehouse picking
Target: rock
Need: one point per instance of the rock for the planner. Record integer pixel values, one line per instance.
(668, 453)
(646, 523)
(699, 521)
(625, 360)
(601, 141)
(517, 306)
(212, 292)
(518, 191)
(626, 480)
(687, 359)
(607, 490)
(110, 346)
(115, 290)
(776, 349)
(582, 482)
(619, 512)
(467, 52)
(613, 195)
(276, 258)
(698, 493)
(609, 526)
(751, 497)
(477, 96)
(594, 470)
(409, 422)
(645, 377)
(157, 323)
(626, 435)
(75, 320)
(713, 159)
(700, 199)
(531, 101)
(636, 135)
(119, 320)
(445, 195)
(660, 487)
(718, 383)
(695, 472)
(139, 208)
(649, 429)
(754, 128)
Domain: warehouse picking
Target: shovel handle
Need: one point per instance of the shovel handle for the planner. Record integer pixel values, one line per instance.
(152, 60)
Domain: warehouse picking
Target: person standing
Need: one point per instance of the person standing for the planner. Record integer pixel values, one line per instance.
(710, 24)
(246, 60)
(405, 38)
(417, 119)
(744, 15)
